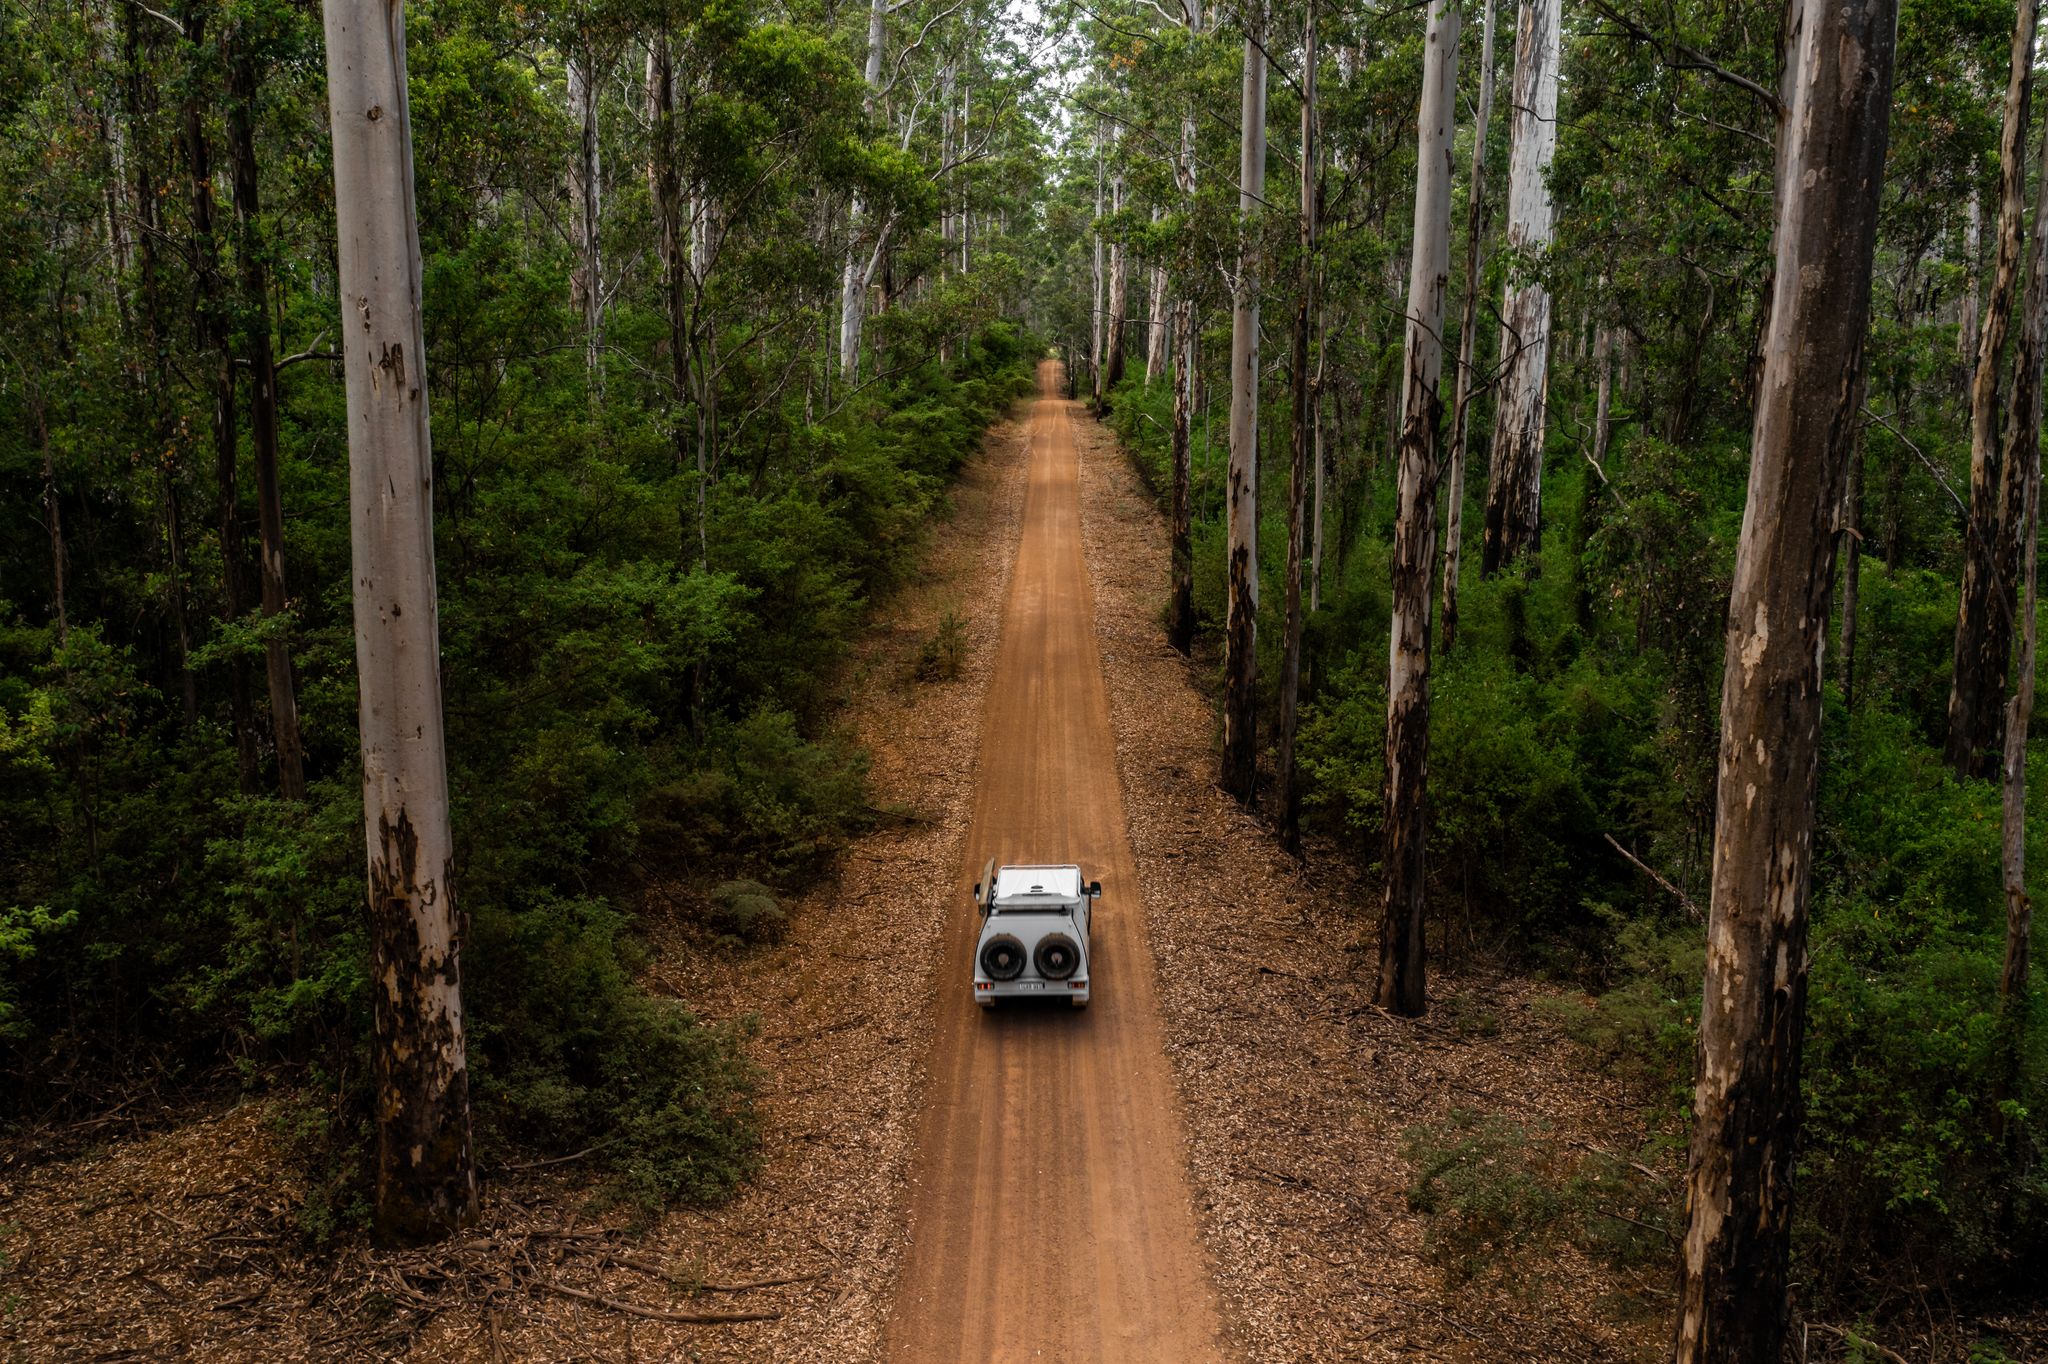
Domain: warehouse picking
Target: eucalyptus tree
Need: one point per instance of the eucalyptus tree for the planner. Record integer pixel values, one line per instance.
(425, 1168)
(1096, 315)
(1180, 612)
(1404, 856)
(1156, 306)
(858, 273)
(260, 358)
(1117, 321)
(1468, 330)
(1983, 640)
(1301, 441)
(586, 71)
(2023, 457)
(1832, 135)
(1514, 485)
(1241, 623)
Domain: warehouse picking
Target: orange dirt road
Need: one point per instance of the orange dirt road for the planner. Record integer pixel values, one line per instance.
(1051, 1218)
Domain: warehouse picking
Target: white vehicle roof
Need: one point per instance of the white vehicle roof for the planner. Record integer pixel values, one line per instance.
(1049, 883)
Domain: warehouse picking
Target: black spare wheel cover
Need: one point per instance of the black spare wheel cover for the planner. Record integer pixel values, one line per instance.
(1002, 957)
(1057, 956)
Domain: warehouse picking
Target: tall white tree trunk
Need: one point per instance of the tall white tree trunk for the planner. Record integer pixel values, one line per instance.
(1155, 330)
(1401, 968)
(1833, 123)
(1468, 331)
(946, 150)
(1180, 611)
(1515, 479)
(853, 283)
(426, 1178)
(1241, 623)
(1095, 308)
(1119, 292)
(966, 208)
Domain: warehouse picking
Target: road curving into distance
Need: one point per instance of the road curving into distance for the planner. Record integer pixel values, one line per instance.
(1051, 1218)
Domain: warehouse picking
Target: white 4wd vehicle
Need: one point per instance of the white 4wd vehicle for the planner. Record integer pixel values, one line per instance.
(1034, 934)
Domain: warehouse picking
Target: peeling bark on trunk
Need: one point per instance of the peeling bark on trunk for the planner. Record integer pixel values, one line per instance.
(1180, 614)
(1852, 567)
(2023, 459)
(853, 285)
(1241, 625)
(681, 229)
(426, 1178)
(210, 311)
(1983, 645)
(586, 285)
(1830, 165)
(1973, 243)
(966, 208)
(277, 657)
(1298, 445)
(1095, 314)
(1468, 332)
(1402, 987)
(1155, 330)
(1119, 295)
(1515, 480)
(1315, 555)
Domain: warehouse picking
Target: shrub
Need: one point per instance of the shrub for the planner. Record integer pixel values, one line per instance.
(944, 654)
(1500, 1196)
(747, 912)
(568, 1054)
(761, 796)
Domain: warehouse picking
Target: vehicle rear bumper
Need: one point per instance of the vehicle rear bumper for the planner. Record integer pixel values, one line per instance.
(987, 992)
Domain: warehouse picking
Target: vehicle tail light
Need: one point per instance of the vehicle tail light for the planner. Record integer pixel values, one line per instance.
(1080, 985)
(983, 985)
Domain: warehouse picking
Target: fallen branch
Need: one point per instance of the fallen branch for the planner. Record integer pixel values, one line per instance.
(1635, 1165)
(669, 1276)
(634, 1309)
(1933, 469)
(827, 1030)
(1850, 1337)
(555, 1160)
(1658, 877)
(752, 1284)
(1612, 1215)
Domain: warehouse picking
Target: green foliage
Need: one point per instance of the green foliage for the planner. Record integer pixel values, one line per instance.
(763, 796)
(1501, 1196)
(567, 1055)
(747, 912)
(638, 657)
(944, 653)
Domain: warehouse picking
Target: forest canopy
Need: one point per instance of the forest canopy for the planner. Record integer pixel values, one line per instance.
(1465, 356)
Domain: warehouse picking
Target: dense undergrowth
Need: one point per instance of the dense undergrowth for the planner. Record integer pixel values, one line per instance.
(1578, 709)
(618, 716)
